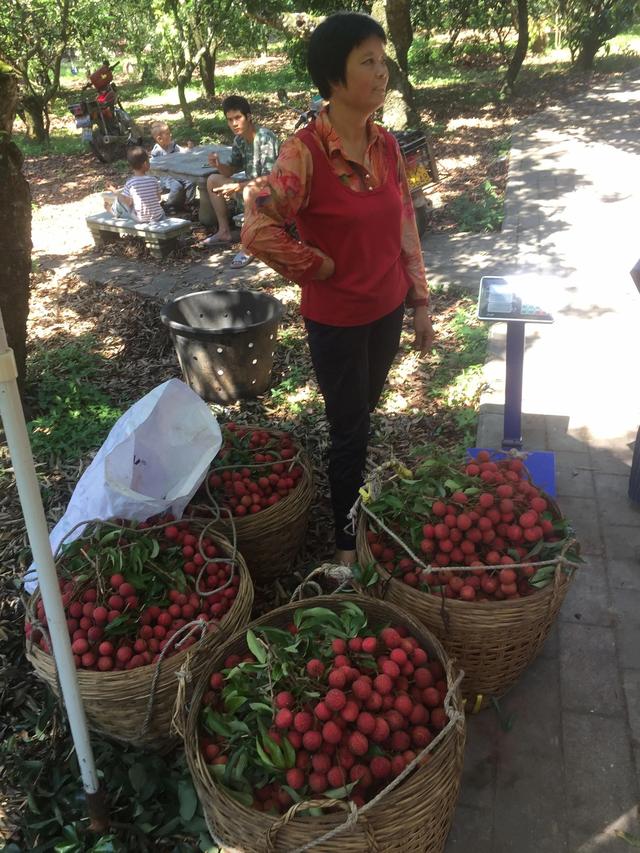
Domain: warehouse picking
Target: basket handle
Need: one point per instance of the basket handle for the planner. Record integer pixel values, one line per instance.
(354, 818)
(342, 574)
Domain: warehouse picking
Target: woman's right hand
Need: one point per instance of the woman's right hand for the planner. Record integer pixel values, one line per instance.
(327, 268)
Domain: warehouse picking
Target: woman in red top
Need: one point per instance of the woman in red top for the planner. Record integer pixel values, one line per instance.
(342, 181)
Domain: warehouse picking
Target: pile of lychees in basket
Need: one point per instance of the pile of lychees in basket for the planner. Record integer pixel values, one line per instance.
(128, 589)
(479, 531)
(330, 706)
(254, 469)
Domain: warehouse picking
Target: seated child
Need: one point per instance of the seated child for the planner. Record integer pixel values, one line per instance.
(181, 193)
(139, 199)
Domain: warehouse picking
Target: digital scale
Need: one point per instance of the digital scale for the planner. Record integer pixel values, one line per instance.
(517, 300)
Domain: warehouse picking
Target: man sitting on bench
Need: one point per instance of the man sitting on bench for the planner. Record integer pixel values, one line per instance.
(254, 151)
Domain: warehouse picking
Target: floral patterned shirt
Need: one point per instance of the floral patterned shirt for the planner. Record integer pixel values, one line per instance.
(274, 204)
(255, 158)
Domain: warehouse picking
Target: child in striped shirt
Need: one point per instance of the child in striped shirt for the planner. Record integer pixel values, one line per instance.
(139, 199)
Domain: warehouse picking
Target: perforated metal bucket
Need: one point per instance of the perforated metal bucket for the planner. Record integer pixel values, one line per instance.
(225, 341)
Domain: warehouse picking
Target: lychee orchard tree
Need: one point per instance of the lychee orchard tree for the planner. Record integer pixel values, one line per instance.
(589, 24)
(34, 36)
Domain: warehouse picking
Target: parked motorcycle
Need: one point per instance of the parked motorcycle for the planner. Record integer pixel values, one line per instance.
(105, 124)
(419, 161)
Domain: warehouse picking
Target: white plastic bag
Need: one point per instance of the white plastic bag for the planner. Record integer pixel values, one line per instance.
(153, 460)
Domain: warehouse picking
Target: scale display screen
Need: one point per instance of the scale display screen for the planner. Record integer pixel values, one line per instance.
(523, 299)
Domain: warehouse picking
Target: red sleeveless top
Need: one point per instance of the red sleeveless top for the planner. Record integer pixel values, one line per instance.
(361, 232)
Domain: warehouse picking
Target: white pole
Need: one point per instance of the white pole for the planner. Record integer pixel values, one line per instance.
(20, 449)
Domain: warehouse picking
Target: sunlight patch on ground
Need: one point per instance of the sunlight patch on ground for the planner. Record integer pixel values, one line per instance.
(59, 229)
(467, 121)
(466, 387)
(394, 403)
(408, 366)
(53, 313)
(302, 395)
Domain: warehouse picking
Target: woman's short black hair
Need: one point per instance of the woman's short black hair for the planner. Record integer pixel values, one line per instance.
(331, 43)
(236, 102)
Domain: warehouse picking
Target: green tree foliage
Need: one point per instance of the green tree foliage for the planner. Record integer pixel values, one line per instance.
(192, 33)
(589, 24)
(34, 36)
(126, 23)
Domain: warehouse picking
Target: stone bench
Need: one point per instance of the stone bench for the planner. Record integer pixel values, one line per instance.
(159, 237)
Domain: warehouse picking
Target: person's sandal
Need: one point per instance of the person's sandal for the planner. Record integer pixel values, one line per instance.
(212, 241)
(240, 261)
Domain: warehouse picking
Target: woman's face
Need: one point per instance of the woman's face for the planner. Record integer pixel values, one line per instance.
(366, 76)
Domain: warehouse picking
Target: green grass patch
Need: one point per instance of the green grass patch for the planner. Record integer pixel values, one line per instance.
(72, 414)
(458, 380)
(60, 142)
(260, 82)
(480, 210)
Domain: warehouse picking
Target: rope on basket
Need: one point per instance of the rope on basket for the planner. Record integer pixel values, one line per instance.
(342, 574)
(189, 630)
(355, 815)
(349, 823)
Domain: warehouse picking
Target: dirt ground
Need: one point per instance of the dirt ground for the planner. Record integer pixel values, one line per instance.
(137, 354)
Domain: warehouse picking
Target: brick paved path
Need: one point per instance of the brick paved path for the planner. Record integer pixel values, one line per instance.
(567, 774)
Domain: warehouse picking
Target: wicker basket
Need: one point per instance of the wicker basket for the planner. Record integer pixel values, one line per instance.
(270, 539)
(137, 706)
(415, 817)
(493, 642)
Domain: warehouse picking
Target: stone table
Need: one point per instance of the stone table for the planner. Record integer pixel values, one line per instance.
(193, 165)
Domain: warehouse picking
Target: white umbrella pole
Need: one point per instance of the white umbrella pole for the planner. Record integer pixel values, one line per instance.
(20, 449)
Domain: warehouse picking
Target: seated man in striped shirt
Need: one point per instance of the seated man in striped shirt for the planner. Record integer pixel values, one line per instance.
(139, 199)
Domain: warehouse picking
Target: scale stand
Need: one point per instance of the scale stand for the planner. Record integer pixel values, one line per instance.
(514, 300)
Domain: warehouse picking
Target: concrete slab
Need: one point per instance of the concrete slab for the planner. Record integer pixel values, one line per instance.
(471, 830)
(622, 543)
(626, 604)
(613, 503)
(588, 601)
(583, 515)
(589, 677)
(530, 759)
(574, 478)
(601, 786)
(624, 574)
(631, 684)
(480, 761)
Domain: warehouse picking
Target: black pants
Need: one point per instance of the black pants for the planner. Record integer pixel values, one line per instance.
(351, 364)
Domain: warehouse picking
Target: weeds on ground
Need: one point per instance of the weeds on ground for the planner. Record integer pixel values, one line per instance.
(72, 414)
(479, 210)
(458, 380)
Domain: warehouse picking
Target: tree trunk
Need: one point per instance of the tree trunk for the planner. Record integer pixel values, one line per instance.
(182, 84)
(15, 229)
(587, 54)
(35, 115)
(400, 31)
(208, 71)
(399, 107)
(522, 46)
